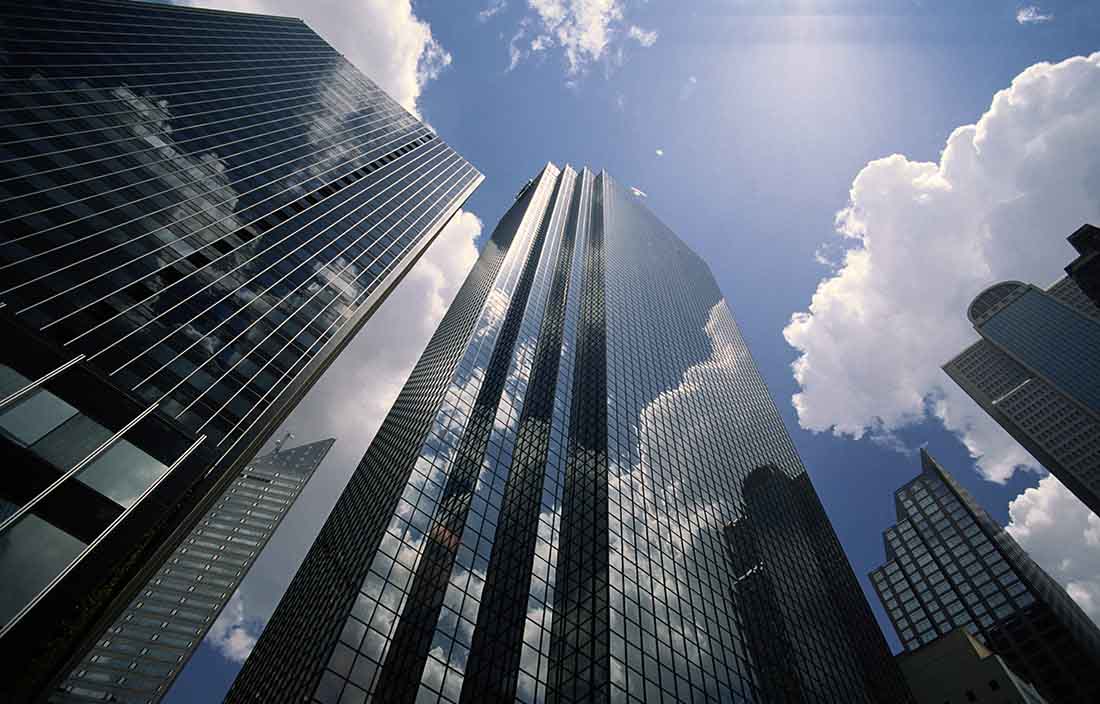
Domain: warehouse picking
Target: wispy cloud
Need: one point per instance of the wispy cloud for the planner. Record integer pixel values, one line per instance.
(642, 36)
(1032, 15)
(688, 89)
(515, 49)
(586, 31)
(494, 7)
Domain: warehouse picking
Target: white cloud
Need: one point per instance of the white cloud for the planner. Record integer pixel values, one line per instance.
(1063, 536)
(383, 38)
(923, 238)
(586, 31)
(643, 37)
(494, 7)
(233, 634)
(659, 152)
(1032, 15)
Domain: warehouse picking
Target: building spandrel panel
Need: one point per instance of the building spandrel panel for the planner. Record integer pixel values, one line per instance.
(201, 208)
(545, 514)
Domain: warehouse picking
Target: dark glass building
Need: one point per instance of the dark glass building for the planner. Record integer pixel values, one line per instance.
(1085, 269)
(199, 209)
(544, 515)
(950, 565)
(1036, 371)
(139, 656)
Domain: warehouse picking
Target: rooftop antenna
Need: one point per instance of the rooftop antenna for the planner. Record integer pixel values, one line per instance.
(279, 444)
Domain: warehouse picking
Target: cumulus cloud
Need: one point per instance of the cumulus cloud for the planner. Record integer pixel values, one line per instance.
(383, 38)
(1032, 15)
(1063, 536)
(922, 238)
(233, 634)
(585, 31)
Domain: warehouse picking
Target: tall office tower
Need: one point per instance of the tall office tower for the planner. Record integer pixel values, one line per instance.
(541, 516)
(950, 565)
(139, 656)
(1085, 269)
(1036, 371)
(200, 209)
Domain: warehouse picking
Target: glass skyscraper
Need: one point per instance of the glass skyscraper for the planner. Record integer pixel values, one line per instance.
(139, 656)
(544, 515)
(1036, 371)
(950, 565)
(200, 208)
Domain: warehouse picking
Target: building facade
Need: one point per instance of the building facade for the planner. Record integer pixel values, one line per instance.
(1036, 372)
(957, 669)
(139, 656)
(542, 516)
(949, 565)
(200, 208)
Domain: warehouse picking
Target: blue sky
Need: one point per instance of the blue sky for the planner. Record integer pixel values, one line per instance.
(746, 124)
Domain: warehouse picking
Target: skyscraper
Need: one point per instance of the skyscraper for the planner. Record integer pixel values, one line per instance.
(1036, 371)
(200, 208)
(543, 513)
(950, 565)
(140, 655)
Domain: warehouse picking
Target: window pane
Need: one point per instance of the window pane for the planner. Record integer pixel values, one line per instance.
(11, 380)
(68, 444)
(122, 473)
(32, 552)
(35, 416)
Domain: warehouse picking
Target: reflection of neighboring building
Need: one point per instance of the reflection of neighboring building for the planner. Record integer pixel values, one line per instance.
(957, 668)
(1036, 371)
(950, 566)
(799, 610)
(541, 515)
(142, 652)
(200, 208)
